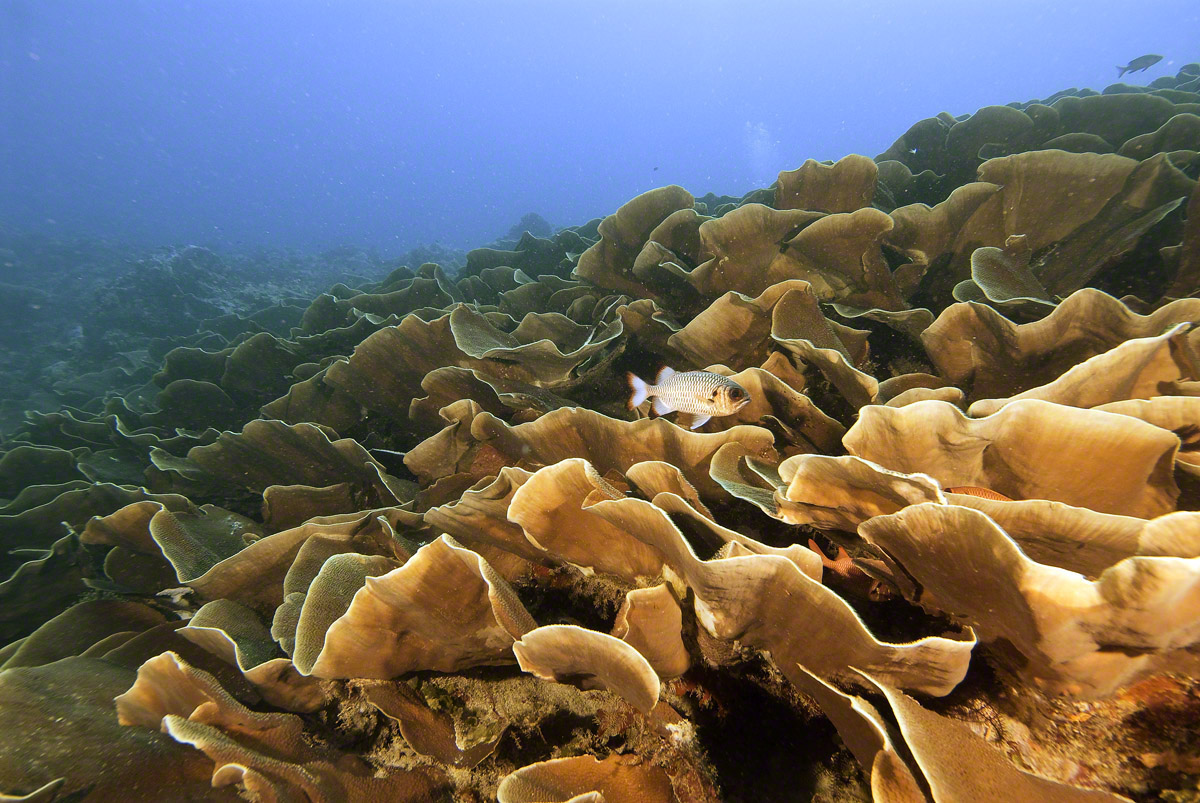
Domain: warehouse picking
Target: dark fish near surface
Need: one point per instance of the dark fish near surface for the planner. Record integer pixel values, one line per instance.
(701, 393)
(1140, 63)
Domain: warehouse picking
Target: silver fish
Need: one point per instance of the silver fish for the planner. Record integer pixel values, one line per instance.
(1142, 63)
(703, 394)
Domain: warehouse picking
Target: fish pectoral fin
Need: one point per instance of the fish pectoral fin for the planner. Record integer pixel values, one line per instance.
(661, 407)
(699, 421)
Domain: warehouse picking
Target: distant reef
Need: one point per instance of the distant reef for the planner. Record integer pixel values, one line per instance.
(85, 317)
(403, 539)
(533, 223)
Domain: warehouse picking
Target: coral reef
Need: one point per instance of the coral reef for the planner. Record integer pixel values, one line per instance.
(406, 542)
(70, 337)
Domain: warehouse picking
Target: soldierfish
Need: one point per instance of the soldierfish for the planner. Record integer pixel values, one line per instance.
(1140, 63)
(701, 393)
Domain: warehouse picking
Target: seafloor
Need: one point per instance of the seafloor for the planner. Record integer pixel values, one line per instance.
(405, 542)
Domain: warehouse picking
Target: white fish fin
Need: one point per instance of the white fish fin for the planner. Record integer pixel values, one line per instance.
(699, 421)
(664, 374)
(661, 407)
(639, 390)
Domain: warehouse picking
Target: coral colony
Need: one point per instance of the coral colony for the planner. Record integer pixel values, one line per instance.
(407, 541)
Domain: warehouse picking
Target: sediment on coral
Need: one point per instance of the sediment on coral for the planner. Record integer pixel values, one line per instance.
(406, 539)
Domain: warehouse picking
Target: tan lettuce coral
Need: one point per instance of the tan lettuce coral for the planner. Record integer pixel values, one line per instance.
(925, 234)
(1184, 258)
(76, 743)
(1116, 118)
(741, 249)
(549, 508)
(1030, 449)
(989, 356)
(590, 659)
(479, 520)
(765, 600)
(741, 332)
(1087, 178)
(585, 779)
(234, 633)
(264, 754)
(566, 530)
(735, 329)
(1003, 277)
(44, 585)
(1181, 132)
(444, 609)
(547, 347)
(607, 443)
(386, 370)
(845, 186)
(270, 453)
(1104, 203)
(745, 478)
(326, 599)
(81, 627)
(842, 492)
(1083, 540)
(838, 254)
(1142, 368)
(1174, 413)
(651, 622)
(609, 262)
(935, 750)
(1090, 636)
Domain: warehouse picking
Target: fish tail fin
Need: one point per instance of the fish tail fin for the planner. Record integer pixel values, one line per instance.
(638, 388)
(1123, 70)
(825, 561)
(664, 374)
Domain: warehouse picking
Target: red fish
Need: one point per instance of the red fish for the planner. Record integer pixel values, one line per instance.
(982, 493)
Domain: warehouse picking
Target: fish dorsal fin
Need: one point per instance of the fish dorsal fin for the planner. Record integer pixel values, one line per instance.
(664, 374)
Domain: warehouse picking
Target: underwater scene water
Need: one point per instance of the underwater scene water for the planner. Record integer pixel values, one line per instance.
(618, 402)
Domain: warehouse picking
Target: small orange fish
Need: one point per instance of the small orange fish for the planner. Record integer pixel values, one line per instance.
(982, 493)
(853, 577)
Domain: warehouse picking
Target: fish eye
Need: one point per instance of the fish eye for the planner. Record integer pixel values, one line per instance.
(736, 393)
